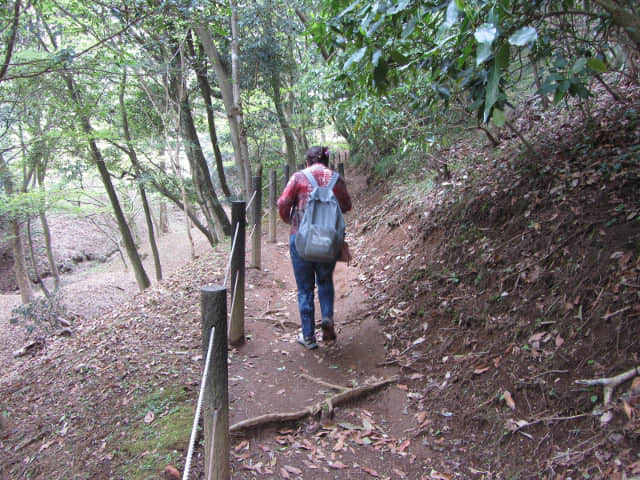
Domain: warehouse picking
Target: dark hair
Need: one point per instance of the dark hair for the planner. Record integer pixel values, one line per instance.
(318, 154)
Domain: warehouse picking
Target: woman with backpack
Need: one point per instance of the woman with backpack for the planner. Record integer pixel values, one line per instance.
(309, 265)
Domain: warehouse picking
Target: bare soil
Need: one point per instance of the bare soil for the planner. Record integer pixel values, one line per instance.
(488, 297)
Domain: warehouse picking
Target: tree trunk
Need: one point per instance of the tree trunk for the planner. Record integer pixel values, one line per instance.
(233, 110)
(136, 167)
(46, 234)
(284, 123)
(215, 214)
(15, 239)
(185, 202)
(19, 264)
(200, 66)
(34, 261)
(129, 245)
(208, 200)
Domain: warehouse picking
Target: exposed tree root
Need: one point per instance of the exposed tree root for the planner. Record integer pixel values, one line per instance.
(327, 405)
(610, 383)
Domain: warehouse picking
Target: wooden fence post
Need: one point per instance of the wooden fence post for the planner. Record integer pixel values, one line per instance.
(236, 324)
(256, 249)
(213, 305)
(341, 170)
(272, 206)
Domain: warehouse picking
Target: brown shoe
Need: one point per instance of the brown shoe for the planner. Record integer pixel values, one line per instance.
(328, 332)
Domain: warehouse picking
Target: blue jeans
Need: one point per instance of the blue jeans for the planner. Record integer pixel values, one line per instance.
(307, 275)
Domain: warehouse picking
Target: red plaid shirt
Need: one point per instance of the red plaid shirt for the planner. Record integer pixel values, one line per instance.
(295, 196)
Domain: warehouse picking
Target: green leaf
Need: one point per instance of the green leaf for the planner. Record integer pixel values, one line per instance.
(409, 27)
(399, 7)
(597, 65)
(503, 56)
(375, 26)
(349, 8)
(486, 33)
(375, 58)
(498, 117)
(355, 58)
(492, 90)
(523, 36)
(451, 17)
(380, 75)
(483, 53)
(578, 67)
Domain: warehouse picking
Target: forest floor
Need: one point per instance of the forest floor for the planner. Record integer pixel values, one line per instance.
(482, 300)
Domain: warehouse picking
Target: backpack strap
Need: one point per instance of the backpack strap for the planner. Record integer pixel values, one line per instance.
(334, 180)
(311, 178)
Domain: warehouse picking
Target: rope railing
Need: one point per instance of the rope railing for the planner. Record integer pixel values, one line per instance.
(196, 418)
(251, 201)
(233, 248)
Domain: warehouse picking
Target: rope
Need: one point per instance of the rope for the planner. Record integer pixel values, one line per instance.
(251, 200)
(251, 234)
(233, 248)
(194, 429)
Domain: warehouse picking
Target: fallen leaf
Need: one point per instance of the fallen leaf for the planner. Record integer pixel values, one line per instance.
(241, 445)
(403, 446)
(370, 471)
(338, 465)
(148, 418)
(402, 387)
(285, 474)
(171, 473)
(481, 370)
(421, 416)
(439, 476)
(559, 341)
(292, 469)
(509, 400)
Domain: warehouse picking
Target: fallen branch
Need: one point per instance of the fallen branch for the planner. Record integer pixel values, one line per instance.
(610, 383)
(325, 405)
(514, 426)
(322, 382)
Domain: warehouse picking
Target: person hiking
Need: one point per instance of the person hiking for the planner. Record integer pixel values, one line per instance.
(291, 207)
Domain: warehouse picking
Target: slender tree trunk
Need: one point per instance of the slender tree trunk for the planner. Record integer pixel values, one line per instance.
(129, 244)
(34, 261)
(183, 193)
(215, 215)
(19, 265)
(143, 194)
(232, 109)
(200, 66)
(15, 239)
(237, 100)
(46, 234)
(284, 123)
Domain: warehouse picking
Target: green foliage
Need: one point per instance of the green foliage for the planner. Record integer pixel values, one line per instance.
(41, 317)
(474, 54)
(152, 445)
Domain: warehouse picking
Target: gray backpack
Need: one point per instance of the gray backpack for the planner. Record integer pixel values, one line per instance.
(321, 230)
